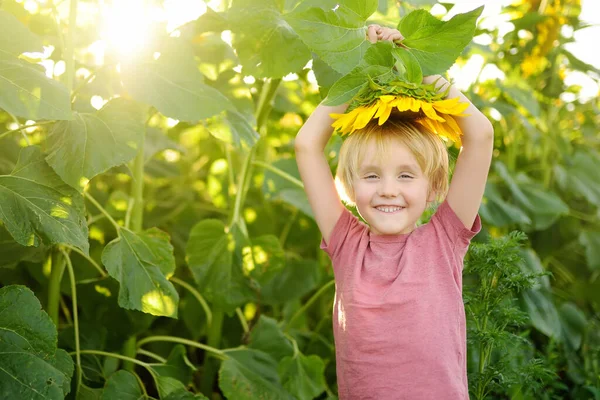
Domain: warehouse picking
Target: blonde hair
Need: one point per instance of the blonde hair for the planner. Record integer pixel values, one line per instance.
(429, 150)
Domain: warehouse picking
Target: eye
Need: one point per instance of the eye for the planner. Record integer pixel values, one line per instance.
(406, 176)
(371, 176)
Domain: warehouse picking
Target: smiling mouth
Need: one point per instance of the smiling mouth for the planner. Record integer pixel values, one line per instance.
(389, 210)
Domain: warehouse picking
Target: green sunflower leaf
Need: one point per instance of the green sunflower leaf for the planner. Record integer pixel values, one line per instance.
(142, 262)
(31, 365)
(265, 42)
(36, 206)
(80, 149)
(335, 30)
(408, 65)
(436, 44)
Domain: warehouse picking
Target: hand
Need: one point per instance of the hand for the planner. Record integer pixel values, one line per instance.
(376, 32)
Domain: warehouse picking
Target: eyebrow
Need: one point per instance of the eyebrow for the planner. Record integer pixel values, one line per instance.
(409, 167)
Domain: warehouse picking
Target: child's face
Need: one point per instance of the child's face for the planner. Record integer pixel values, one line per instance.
(384, 185)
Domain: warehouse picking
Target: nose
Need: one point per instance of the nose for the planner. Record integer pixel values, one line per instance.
(388, 188)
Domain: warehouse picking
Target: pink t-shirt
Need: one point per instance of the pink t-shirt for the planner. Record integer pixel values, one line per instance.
(398, 317)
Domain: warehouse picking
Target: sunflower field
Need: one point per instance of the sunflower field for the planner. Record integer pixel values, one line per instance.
(155, 238)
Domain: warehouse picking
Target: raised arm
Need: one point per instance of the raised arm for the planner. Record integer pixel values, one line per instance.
(314, 169)
(310, 146)
(473, 163)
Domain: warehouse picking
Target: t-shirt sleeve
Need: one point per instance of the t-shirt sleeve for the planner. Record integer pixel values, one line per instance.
(453, 228)
(346, 229)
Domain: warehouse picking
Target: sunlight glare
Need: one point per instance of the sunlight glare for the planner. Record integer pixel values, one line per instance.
(126, 26)
(465, 76)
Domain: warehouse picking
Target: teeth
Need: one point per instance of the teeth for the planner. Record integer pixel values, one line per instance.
(389, 209)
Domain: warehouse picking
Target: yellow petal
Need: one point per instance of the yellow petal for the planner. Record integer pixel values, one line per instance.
(415, 105)
(447, 131)
(404, 103)
(344, 121)
(427, 123)
(450, 106)
(386, 98)
(364, 116)
(453, 124)
(385, 114)
(430, 112)
(381, 106)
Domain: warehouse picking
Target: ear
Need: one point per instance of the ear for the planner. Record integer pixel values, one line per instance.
(431, 196)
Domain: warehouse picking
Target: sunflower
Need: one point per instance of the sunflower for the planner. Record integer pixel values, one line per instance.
(437, 116)
(423, 104)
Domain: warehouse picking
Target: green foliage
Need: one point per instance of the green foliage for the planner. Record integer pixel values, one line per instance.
(267, 45)
(436, 44)
(32, 367)
(80, 149)
(215, 258)
(194, 208)
(38, 207)
(141, 262)
(494, 318)
(334, 30)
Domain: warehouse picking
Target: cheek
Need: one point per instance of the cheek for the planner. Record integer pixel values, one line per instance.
(362, 193)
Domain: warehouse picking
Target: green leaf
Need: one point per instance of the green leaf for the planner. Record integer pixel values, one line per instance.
(549, 207)
(156, 141)
(80, 149)
(15, 38)
(185, 395)
(379, 53)
(12, 252)
(215, 258)
(249, 375)
(122, 385)
(408, 65)
(377, 63)
(174, 85)
(231, 127)
(345, 89)
(298, 278)
(303, 376)
(543, 207)
(88, 393)
(532, 265)
(36, 206)
(178, 366)
(277, 187)
(31, 366)
(434, 43)
(265, 42)
(98, 301)
(172, 389)
(27, 92)
(495, 211)
(580, 176)
(326, 76)
(268, 258)
(574, 323)
(334, 30)
(578, 64)
(591, 241)
(142, 263)
(542, 312)
(167, 385)
(210, 21)
(266, 336)
(520, 95)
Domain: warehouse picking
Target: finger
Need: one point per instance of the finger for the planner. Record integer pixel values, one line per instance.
(371, 34)
(396, 36)
(387, 36)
